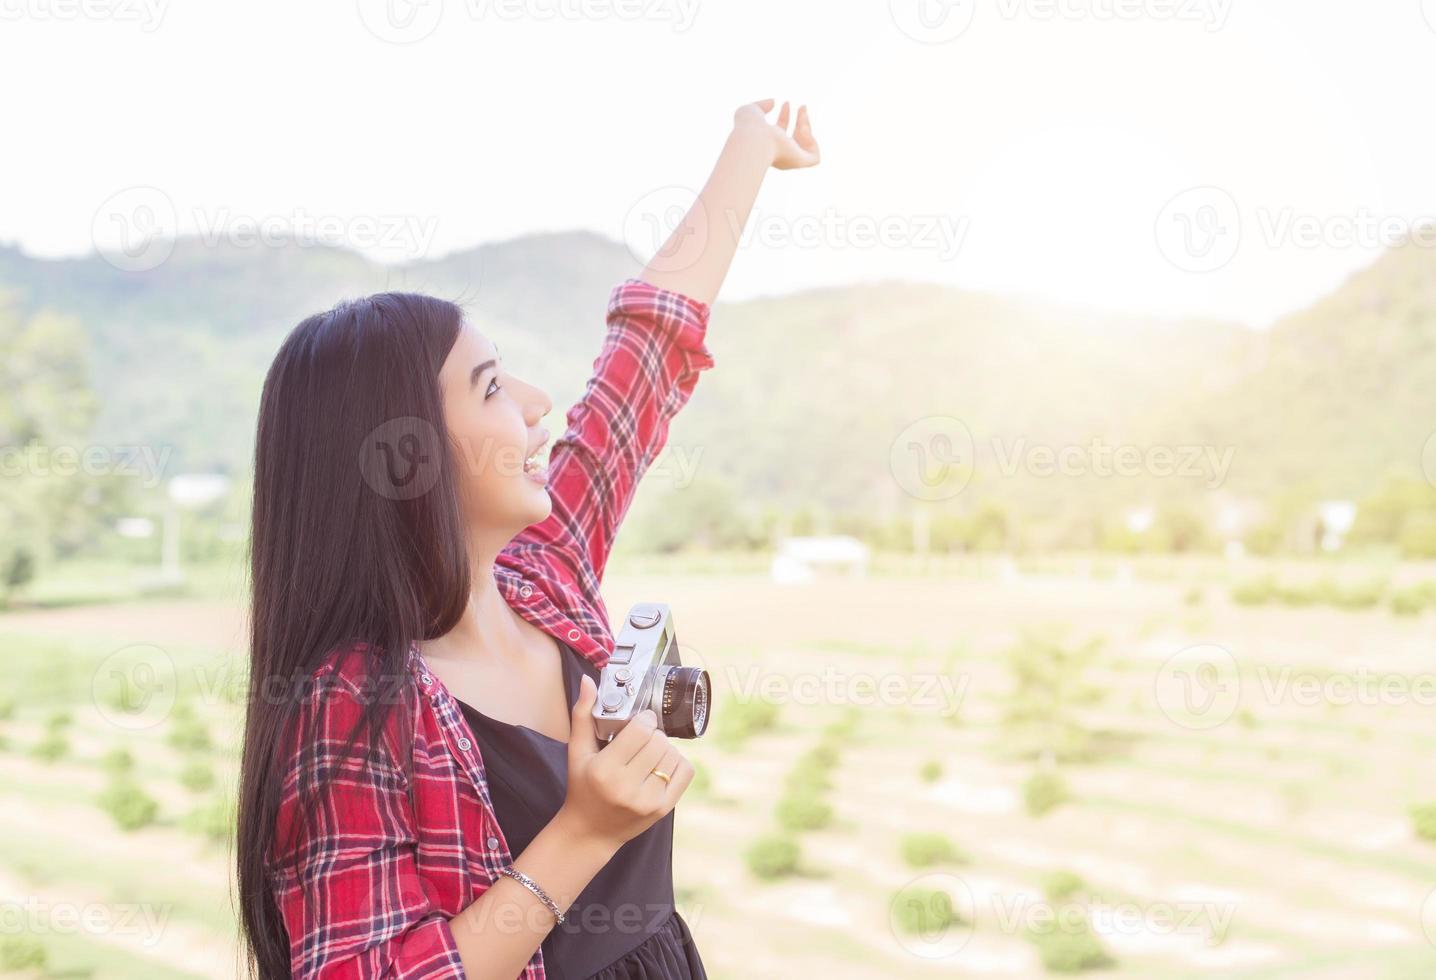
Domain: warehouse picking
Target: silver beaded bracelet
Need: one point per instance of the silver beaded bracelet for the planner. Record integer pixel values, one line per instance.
(533, 886)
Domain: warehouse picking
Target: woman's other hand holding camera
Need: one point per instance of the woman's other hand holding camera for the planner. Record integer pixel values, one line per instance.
(613, 794)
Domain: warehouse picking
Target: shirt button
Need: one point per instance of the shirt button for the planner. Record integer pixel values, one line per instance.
(464, 744)
(573, 634)
(526, 591)
(493, 843)
(425, 678)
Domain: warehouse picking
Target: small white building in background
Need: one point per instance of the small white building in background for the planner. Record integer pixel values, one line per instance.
(800, 560)
(1337, 517)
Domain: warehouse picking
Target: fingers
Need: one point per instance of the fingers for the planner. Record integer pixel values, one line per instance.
(803, 130)
(764, 104)
(654, 790)
(652, 754)
(627, 743)
(783, 118)
(582, 737)
(681, 771)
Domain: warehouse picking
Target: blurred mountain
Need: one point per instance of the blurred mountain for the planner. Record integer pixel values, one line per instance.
(811, 389)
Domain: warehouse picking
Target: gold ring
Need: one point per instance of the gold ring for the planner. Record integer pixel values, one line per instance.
(662, 775)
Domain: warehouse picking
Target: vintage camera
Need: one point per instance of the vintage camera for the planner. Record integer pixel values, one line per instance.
(644, 672)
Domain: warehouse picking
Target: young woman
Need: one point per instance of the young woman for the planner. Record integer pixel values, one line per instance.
(422, 791)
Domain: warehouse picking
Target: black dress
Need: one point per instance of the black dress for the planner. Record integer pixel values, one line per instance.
(623, 925)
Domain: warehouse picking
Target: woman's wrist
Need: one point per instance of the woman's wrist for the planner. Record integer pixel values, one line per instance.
(580, 839)
(760, 138)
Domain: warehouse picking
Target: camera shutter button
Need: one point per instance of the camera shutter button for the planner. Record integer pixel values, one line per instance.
(622, 676)
(612, 700)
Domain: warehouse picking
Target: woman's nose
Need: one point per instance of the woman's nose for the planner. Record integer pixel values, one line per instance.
(540, 403)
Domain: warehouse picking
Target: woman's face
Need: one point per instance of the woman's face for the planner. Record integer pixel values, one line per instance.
(493, 417)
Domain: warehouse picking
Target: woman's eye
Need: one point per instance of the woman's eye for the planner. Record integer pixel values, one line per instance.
(493, 387)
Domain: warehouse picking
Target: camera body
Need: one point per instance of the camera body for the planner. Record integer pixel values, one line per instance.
(645, 672)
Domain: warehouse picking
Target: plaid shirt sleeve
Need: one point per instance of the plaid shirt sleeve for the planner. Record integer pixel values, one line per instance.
(645, 372)
(354, 903)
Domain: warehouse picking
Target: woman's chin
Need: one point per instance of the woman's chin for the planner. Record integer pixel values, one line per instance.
(543, 506)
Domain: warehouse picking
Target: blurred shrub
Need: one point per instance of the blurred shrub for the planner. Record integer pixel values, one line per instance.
(844, 727)
(931, 771)
(822, 757)
(1362, 595)
(1254, 592)
(702, 784)
(117, 760)
(811, 780)
(197, 776)
(922, 850)
(7, 708)
(1302, 594)
(1066, 946)
(188, 734)
(923, 911)
(214, 819)
(1414, 600)
(742, 719)
(21, 952)
(128, 804)
(773, 856)
(1063, 886)
(53, 747)
(1423, 820)
(1324, 591)
(1044, 792)
(803, 811)
(1051, 685)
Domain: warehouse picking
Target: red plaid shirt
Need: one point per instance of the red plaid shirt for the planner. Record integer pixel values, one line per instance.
(379, 877)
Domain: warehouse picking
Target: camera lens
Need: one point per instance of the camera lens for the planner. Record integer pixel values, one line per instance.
(686, 694)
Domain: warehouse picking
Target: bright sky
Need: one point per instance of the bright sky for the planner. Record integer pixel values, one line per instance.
(1048, 147)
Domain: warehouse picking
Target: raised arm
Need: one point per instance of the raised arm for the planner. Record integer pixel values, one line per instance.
(652, 354)
(695, 258)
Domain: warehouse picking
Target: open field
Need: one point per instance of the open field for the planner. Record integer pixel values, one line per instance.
(1242, 810)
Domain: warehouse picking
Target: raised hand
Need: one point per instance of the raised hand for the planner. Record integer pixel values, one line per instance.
(790, 150)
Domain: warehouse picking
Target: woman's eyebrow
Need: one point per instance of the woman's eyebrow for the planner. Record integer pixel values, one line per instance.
(478, 371)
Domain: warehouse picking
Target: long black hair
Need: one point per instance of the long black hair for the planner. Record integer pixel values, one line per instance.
(357, 536)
